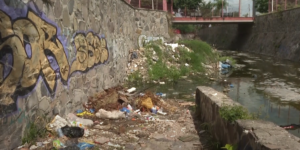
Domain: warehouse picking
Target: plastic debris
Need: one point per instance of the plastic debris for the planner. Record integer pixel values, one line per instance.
(114, 145)
(85, 113)
(60, 133)
(110, 114)
(85, 122)
(124, 109)
(129, 107)
(84, 146)
(147, 103)
(57, 144)
(101, 140)
(161, 94)
(56, 123)
(79, 111)
(131, 90)
(160, 112)
(72, 132)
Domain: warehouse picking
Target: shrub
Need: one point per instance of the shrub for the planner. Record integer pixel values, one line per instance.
(235, 112)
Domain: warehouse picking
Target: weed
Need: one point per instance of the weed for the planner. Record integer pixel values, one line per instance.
(135, 77)
(33, 133)
(185, 28)
(235, 112)
(159, 70)
(229, 147)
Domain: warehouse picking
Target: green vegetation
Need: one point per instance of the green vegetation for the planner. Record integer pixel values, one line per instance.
(163, 64)
(185, 28)
(135, 77)
(35, 130)
(33, 133)
(230, 147)
(235, 112)
(189, 4)
(261, 6)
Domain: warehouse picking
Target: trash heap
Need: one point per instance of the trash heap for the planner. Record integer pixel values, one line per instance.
(139, 59)
(119, 118)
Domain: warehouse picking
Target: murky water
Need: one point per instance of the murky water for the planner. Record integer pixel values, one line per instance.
(262, 84)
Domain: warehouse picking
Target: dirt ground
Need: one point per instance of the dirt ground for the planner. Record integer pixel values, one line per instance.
(178, 129)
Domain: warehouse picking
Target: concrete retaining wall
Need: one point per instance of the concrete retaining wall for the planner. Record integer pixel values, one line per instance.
(275, 34)
(53, 57)
(262, 135)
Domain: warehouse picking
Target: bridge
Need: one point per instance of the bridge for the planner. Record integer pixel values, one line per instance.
(222, 15)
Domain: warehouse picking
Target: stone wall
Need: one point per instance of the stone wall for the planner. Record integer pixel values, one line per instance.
(275, 34)
(247, 134)
(52, 57)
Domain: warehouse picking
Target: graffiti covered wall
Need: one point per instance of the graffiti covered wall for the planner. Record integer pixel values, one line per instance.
(52, 57)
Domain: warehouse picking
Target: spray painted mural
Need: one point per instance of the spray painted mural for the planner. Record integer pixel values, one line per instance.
(32, 50)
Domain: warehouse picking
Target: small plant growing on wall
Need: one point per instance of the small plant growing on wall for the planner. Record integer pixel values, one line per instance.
(230, 147)
(235, 112)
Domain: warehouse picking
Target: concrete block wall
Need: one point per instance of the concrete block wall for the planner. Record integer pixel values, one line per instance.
(275, 34)
(53, 57)
(247, 134)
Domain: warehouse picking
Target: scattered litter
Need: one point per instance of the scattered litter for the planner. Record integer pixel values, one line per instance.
(76, 121)
(72, 132)
(110, 114)
(84, 146)
(131, 90)
(101, 140)
(114, 145)
(124, 109)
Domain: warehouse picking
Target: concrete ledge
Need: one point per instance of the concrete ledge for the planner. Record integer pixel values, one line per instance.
(248, 134)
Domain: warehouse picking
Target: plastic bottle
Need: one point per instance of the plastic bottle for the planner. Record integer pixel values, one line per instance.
(129, 107)
(60, 133)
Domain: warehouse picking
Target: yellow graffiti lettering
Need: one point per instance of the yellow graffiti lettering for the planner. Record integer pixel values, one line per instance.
(40, 37)
(91, 50)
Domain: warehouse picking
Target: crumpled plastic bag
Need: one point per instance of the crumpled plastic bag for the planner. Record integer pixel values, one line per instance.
(72, 132)
(85, 122)
(147, 103)
(56, 123)
(116, 114)
(84, 146)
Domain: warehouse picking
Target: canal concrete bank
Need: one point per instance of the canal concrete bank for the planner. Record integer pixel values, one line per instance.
(247, 134)
(273, 34)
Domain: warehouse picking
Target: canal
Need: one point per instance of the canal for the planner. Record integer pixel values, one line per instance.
(264, 85)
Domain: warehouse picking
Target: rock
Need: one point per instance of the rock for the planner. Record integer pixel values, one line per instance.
(33, 147)
(101, 140)
(157, 136)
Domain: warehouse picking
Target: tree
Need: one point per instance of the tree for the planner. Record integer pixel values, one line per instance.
(219, 4)
(261, 6)
(190, 4)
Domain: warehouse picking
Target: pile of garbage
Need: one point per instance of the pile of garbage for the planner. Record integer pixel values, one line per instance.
(110, 117)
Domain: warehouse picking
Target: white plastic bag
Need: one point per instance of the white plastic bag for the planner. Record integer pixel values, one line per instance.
(110, 114)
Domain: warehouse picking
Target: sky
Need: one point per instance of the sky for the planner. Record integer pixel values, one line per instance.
(234, 6)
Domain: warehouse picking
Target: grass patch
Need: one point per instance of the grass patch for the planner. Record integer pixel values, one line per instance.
(164, 64)
(135, 77)
(33, 132)
(235, 112)
(202, 53)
